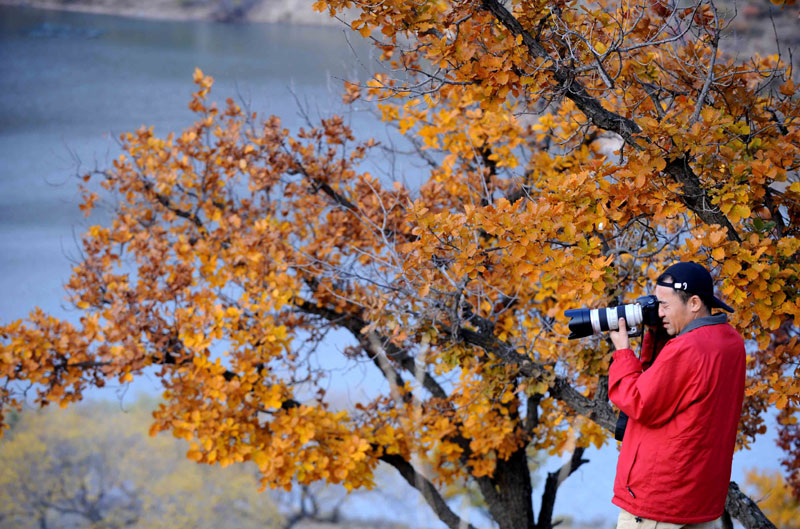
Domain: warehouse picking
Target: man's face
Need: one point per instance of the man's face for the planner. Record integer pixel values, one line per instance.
(674, 313)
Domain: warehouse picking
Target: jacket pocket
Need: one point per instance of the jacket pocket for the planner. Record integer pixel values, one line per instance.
(634, 459)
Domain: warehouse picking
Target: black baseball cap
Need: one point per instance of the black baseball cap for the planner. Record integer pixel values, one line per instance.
(694, 279)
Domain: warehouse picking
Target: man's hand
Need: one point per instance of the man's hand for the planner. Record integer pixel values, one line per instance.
(620, 338)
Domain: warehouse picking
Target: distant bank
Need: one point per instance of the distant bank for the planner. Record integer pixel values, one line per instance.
(270, 11)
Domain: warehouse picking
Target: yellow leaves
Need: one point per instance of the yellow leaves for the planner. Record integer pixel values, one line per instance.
(260, 458)
(644, 168)
(377, 82)
(98, 232)
(316, 241)
(506, 329)
(592, 434)
(788, 246)
(429, 136)
(545, 123)
(777, 501)
(272, 398)
(718, 253)
(600, 47)
(731, 267)
(763, 311)
(648, 123)
(740, 128)
(195, 341)
(710, 114)
(735, 212)
(483, 467)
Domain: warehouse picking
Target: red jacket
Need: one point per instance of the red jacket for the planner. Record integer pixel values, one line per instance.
(683, 411)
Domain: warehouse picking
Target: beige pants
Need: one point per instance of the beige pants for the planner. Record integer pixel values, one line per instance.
(628, 521)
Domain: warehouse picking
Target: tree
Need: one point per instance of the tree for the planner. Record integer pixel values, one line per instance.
(775, 497)
(94, 466)
(238, 248)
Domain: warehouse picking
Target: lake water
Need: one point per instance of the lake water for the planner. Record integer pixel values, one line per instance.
(71, 83)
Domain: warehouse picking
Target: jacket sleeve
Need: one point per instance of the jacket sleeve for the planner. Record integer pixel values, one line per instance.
(652, 397)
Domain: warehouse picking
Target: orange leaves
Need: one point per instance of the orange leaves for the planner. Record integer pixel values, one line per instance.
(352, 92)
(50, 353)
(303, 443)
(644, 168)
(245, 245)
(763, 170)
(754, 288)
(203, 81)
(207, 283)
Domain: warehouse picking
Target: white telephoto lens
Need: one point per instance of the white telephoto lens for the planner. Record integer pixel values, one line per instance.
(612, 316)
(594, 316)
(633, 314)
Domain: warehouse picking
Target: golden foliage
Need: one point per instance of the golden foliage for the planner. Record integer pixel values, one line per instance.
(775, 498)
(236, 244)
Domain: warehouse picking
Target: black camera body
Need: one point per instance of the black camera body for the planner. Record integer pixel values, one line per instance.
(586, 322)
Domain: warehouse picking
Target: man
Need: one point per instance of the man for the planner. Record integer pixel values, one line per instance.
(683, 410)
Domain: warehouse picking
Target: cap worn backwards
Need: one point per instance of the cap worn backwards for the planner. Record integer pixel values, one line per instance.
(694, 279)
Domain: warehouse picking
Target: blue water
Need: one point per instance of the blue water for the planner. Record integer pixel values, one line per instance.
(71, 83)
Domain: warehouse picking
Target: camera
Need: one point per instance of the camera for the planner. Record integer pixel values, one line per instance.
(586, 322)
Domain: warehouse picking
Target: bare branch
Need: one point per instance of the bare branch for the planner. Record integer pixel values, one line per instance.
(710, 77)
(566, 78)
(428, 491)
(741, 507)
(554, 480)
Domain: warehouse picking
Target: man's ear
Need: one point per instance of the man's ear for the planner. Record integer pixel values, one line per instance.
(695, 304)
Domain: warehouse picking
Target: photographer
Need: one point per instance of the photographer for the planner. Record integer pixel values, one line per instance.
(683, 410)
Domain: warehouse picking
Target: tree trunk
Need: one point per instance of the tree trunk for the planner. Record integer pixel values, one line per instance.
(509, 492)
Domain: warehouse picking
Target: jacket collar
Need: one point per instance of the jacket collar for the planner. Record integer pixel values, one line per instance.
(716, 319)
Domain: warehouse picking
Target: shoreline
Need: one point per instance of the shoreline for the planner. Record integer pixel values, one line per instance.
(294, 12)
(751, 31)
